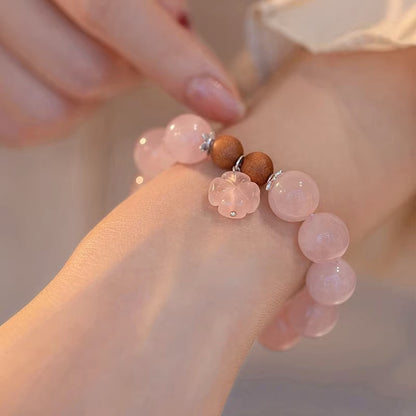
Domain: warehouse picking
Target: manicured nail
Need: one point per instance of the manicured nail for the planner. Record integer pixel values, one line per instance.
(211, 99)
(183, 20)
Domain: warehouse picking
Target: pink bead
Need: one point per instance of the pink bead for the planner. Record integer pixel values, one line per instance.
(323, 237)
(294, 196)
(331, 283)
(184, 136)
(150, 154)
(234, 194)
(309, 318)
(279, 335)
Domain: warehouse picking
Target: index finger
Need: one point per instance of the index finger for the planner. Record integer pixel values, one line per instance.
(146, 35)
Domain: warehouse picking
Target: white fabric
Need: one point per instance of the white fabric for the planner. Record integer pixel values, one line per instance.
(278, 27)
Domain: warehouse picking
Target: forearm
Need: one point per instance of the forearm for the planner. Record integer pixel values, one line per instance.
(157, 308)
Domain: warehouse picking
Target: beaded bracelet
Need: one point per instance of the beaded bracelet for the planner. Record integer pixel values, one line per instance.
(293, 196)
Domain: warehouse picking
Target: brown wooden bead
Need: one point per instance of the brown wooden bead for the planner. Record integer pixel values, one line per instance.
(258, 166)
(225, 151)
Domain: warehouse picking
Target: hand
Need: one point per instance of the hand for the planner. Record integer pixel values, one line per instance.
(59, 58)
(157, 308)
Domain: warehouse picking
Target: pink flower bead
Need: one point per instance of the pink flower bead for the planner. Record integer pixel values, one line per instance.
(323, 237)
(331, 283)
(279, 335)
(294, 196)
(309, 318)
(184, 136)
(150, 154)
(234, 194)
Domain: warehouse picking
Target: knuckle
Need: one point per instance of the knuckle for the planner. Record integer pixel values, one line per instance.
(87, 79)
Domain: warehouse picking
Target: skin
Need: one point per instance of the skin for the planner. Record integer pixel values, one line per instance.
(158, 306)
(80, 53)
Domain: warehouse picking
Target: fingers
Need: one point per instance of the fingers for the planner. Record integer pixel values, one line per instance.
(145, 34)
(29, 109)
(57, 51)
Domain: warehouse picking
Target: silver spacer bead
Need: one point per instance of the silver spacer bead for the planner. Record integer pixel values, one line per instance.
(238, 164)
(209, 140)
(272, 179)
(233, 214)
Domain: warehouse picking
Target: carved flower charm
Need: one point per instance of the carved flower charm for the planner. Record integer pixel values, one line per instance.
(234, 194)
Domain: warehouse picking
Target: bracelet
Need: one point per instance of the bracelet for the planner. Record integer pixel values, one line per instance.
(293, 196)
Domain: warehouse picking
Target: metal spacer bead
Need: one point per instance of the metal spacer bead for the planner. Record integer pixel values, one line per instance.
(238, 164)
(209, 140)
(272, 179)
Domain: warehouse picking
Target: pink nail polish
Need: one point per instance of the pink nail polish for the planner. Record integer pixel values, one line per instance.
(211, 99)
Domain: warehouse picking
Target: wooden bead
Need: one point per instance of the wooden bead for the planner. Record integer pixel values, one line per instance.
(258, 166)
(225, 151)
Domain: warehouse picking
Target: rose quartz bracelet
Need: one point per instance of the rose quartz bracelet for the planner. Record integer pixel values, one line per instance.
(293, 196)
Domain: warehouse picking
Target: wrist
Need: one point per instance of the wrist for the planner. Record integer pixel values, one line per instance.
(140, 283)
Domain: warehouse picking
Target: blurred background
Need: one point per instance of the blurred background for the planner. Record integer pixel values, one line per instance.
(52, 195)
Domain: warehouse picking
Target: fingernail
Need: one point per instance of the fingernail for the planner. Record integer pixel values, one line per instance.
(183, 20)
(213, 100)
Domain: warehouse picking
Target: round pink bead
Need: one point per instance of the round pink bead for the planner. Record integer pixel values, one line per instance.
(279, 335)
(184, 136)
(150, 154)
(294, 196)
(331, 283)
(323, 237)
(309, 318)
